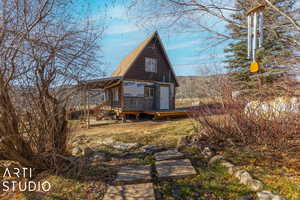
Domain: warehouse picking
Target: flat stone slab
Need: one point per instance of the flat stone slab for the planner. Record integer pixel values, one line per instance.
(152, 148)
(175, 168)
(168, 155)
(130, 192)
(118, 145)
(133, 174)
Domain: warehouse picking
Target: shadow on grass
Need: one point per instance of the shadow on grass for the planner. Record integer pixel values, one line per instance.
(81, 179)
(211, 182)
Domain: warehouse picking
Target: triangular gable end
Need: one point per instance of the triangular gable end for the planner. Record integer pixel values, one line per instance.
(130, 59)
(127, 62)
(167, 58)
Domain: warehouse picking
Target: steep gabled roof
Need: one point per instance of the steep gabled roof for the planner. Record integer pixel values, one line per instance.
(131, 57)
(128, 61)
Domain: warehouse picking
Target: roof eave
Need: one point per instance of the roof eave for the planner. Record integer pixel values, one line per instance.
(100, 83)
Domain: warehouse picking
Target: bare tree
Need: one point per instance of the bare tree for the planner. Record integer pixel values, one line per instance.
(44, 52)
(184, 16)
(207, 16)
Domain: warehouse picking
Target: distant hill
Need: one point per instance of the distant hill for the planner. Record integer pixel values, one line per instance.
(203, 86)
(192, 86)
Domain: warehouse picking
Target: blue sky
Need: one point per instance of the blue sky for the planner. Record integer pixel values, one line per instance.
(189, 52)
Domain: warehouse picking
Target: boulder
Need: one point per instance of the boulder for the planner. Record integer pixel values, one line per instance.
(182, 142)
(118, 145)
(199, 138)
(215, 159)
(266, 195)
(255, 185)
(75, 143)
(238, 173)
(232, 170)
(76, 151)
(207, 152)
(246, 197)
(245, 178)
(230, 167)
(124, 146)
(98, 157)
(226, 164)
(79, 140)
(107, 141)
(277, 197)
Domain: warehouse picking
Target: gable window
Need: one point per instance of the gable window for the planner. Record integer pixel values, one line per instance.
(148, 91)
(150, 64)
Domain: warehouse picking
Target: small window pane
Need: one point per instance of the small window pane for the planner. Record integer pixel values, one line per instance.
(150, 65)
(149, 92)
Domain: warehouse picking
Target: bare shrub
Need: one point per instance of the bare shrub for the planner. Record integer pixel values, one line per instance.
(43, 55)
(227, 118)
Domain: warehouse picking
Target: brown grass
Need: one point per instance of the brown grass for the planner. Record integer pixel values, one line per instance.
(165, 132)
(280, 172)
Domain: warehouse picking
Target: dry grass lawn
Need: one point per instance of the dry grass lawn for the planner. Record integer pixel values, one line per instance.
(211, 182)
(164, 132)
(280, 172)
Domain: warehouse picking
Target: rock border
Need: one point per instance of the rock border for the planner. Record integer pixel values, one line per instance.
(245, 178)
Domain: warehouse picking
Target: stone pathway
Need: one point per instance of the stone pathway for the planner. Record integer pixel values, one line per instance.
(133, 174)
(152, 148)
(118, 145)
(128, 185)
(170, 165)
(174, 168)
(168, 155)
(130, 192)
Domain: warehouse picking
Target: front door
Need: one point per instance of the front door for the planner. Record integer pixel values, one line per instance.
(164, 97)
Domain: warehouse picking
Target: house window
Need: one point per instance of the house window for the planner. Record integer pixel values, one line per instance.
(150, 64)
(148, 91)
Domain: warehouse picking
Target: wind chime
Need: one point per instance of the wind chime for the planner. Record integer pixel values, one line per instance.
(255, 20)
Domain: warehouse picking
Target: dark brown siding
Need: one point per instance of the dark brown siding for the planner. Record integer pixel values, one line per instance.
(137, 104)
(137, 70)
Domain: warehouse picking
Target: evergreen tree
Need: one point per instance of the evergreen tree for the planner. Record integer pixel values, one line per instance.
(274, 51)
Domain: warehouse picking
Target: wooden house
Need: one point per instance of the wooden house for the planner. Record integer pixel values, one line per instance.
(143, 81)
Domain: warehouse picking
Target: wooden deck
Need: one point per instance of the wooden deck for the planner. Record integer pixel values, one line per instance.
(87, 123)
(158, 114)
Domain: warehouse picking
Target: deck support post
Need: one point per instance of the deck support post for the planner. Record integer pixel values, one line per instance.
(88, 109)
(124, 118)
(137, 116)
